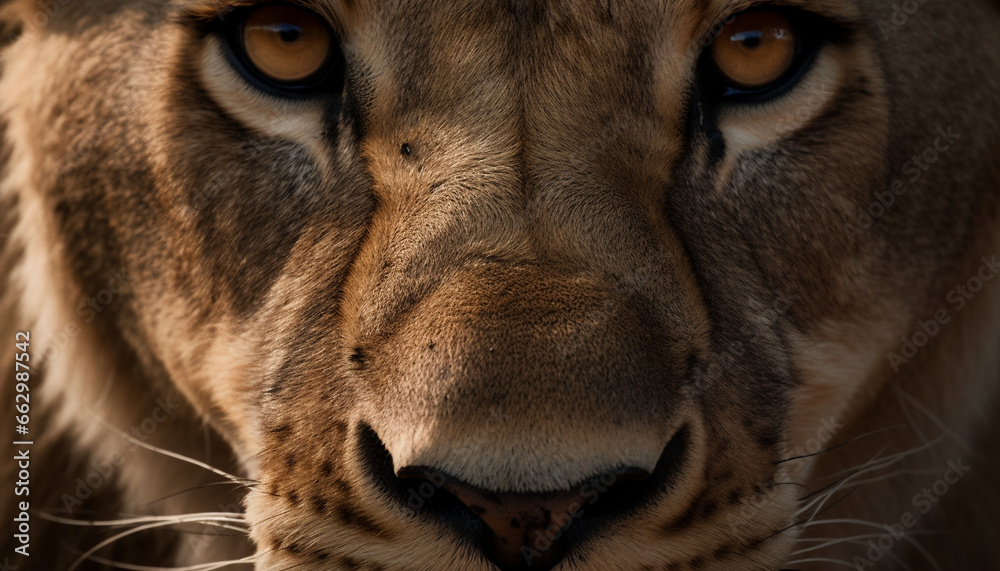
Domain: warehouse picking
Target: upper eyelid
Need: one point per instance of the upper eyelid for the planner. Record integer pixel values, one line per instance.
(840, 25)
(210, 18)
(842, 18)
(836, 29)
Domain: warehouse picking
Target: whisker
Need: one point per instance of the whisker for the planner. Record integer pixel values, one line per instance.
(867, 468)
(891, 458)
(861, 522)
(776, 484)
(847, 493)
(200, 567)
(856, 540)
(177, 520)
(832, 540)
(821, 500)
(823, 490)
(897, 473)
(207, 516)
(948, 431)
(874, 535)
(751, 559)
(194, 489)
(181, 457)
(277, 515)
(924, 552)
(842, 444)
(795, 525)
(906, 537)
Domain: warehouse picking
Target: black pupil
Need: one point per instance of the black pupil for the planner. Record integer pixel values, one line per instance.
(749, 40)
(290, 33)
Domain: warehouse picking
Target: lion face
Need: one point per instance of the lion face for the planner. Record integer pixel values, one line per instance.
(466, 285)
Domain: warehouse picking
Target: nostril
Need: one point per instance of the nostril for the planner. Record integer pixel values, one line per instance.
(530, 530)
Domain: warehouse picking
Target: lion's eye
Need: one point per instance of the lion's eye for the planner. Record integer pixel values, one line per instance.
(285, 49)
(285, 43)
(755, 49)
(756, 55)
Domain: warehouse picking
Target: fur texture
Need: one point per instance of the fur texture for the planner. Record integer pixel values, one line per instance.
(577, 265)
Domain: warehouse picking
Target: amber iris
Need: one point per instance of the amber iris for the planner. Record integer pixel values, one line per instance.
(755, 49)
(286, 44)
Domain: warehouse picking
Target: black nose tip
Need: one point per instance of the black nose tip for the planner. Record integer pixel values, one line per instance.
(530, 531)
(520, 532)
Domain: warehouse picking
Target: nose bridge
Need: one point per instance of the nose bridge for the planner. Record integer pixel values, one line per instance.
(498, 140)
(597, 149)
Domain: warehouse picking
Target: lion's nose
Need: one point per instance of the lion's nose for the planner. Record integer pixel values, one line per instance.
(532, 531)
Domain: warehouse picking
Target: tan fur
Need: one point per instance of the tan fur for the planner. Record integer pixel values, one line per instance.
(516, 256)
